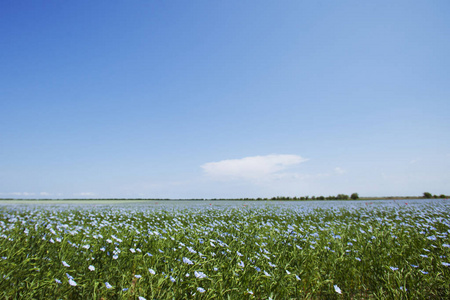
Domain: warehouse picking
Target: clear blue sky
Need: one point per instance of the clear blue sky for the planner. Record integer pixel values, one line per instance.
(186, 99)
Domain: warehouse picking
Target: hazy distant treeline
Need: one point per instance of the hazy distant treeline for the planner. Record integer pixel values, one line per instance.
(353, 196)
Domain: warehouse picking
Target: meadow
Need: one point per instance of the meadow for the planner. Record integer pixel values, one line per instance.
(235, 251)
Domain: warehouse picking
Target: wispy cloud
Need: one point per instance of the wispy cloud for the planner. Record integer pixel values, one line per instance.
(252, 167)
(85, 194)
(339, 170)
(22, 194)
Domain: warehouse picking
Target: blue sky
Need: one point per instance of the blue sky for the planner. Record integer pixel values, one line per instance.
(209, 99)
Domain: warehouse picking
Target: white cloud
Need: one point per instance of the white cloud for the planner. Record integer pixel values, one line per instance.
(251, 168)
(85, 194)
(44, 194)
(22, 194)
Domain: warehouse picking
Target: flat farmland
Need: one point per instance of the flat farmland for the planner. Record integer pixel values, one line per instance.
(224, 250)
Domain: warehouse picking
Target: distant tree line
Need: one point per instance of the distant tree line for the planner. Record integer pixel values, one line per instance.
(427, 195)
(353, 196)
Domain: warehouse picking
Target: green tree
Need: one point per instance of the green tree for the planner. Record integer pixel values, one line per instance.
(342, 197)
(354, 196)
(427, 195)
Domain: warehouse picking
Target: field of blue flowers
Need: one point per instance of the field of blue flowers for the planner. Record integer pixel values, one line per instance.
(227, 252)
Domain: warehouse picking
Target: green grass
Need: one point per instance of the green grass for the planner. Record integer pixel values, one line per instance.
(260, 252)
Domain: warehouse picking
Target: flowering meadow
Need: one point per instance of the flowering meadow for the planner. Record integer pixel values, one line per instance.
(234, 251)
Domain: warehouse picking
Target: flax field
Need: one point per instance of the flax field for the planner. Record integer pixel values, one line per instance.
(237, 251)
